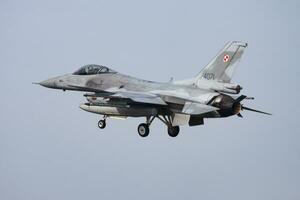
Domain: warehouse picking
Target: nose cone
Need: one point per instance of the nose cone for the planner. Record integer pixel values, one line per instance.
(49, 83)
(61, 82)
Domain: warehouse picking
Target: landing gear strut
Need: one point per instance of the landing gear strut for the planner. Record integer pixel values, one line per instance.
(173, 131)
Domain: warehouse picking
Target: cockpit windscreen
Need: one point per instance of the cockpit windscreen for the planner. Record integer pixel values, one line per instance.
(93, 69)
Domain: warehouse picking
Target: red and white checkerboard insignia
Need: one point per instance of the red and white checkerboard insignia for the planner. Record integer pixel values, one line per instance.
(226, 58)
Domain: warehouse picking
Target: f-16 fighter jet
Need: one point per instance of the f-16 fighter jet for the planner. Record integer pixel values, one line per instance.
(210, 94)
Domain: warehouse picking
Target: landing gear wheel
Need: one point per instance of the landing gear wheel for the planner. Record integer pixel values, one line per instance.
(143, 130)
(102, 124)
(173, 131)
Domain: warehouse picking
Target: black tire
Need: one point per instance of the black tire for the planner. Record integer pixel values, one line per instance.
(102, 124)
(173, 131)
(143, 130)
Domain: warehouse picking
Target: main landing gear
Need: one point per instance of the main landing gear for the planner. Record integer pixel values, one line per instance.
(143, 128)
(173, 131)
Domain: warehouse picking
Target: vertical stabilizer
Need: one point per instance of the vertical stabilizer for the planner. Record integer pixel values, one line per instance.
(222, 67)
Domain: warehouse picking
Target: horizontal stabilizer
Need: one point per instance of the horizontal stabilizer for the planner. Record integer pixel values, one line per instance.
(193, 108)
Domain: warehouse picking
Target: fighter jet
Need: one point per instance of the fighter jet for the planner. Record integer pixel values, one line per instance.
(210, 94)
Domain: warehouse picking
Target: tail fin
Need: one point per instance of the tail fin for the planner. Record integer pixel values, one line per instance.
(221, 68)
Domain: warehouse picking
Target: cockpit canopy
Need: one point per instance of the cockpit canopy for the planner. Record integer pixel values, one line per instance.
(93, 69)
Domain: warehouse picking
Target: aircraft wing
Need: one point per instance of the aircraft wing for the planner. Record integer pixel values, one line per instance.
(191, 105)
(140, 97)
(190, 108)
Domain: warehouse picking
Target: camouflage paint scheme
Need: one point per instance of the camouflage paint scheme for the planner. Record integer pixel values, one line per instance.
(113, 94)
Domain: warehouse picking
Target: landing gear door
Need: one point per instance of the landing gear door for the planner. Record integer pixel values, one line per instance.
(180, 119)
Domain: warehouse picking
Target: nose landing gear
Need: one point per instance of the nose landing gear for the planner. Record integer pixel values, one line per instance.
(102, 122)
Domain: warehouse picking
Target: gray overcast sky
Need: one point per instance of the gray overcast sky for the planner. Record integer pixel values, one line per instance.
(50, 149)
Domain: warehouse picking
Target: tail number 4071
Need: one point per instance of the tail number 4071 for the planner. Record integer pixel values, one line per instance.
(209, 76)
